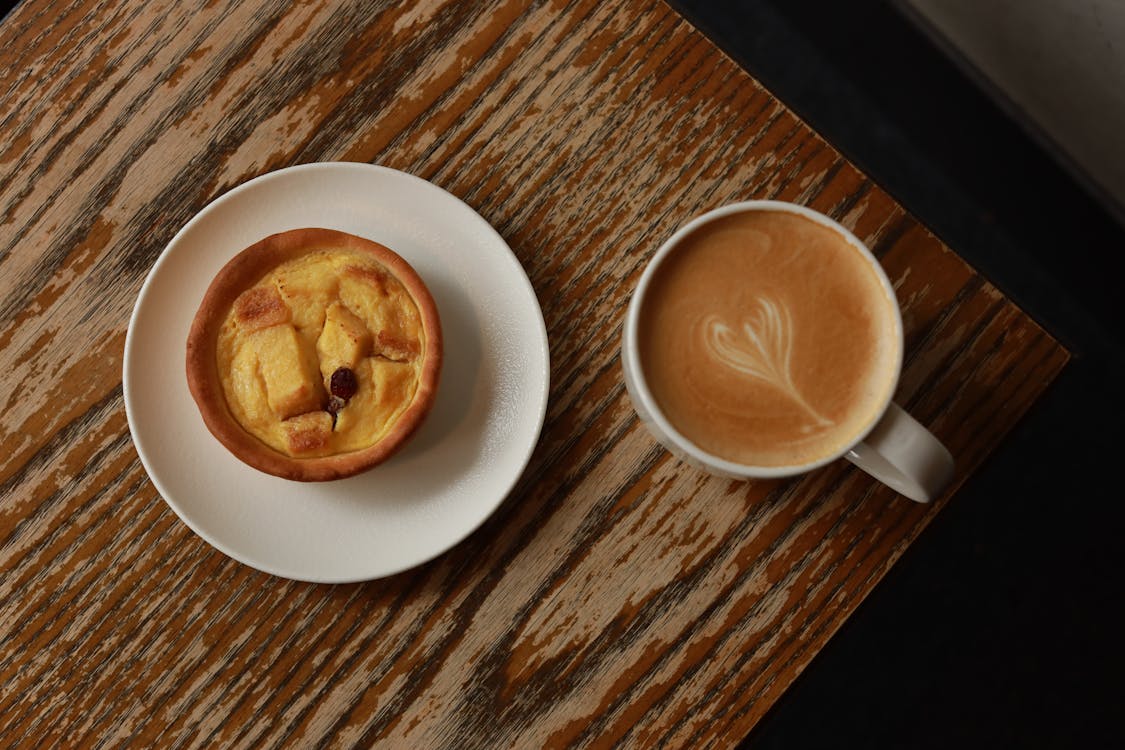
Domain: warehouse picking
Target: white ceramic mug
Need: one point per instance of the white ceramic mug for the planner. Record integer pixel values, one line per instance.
(893, 447)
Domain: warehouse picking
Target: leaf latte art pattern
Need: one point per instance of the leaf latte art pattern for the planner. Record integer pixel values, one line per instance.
(763, 351)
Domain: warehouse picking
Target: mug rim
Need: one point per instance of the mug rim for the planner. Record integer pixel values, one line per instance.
(632, 349)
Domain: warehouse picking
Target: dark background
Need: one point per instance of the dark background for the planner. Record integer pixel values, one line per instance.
(1002, 625)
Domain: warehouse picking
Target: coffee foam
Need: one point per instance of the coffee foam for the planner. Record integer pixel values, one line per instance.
(768, 340)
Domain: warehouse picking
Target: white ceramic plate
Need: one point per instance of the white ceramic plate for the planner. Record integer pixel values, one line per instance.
(453, 473)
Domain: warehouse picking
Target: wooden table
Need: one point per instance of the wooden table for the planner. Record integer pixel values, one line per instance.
(617, 595)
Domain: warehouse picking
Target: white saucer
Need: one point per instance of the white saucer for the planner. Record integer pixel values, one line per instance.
(458, 467)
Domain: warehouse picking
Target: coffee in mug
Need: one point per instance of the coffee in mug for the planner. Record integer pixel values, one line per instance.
(767, 339)
(764, 339)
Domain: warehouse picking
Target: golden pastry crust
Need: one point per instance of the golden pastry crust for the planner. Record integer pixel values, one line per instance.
(284, 314)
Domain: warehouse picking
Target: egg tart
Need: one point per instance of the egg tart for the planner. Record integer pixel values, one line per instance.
(315, 354)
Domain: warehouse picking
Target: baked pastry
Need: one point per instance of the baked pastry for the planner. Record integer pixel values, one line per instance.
(315, 354)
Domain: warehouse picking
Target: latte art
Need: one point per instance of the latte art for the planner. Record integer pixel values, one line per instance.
(763, 349)
(767, 339)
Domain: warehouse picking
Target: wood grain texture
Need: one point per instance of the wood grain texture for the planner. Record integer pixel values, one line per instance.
(617, 596)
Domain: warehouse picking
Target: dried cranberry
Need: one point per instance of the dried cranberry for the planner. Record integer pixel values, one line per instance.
(343, 383)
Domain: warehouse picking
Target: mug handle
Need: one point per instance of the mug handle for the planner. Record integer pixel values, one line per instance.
(905, 456)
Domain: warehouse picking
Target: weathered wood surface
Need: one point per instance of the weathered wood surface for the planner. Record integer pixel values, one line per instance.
(616, 595)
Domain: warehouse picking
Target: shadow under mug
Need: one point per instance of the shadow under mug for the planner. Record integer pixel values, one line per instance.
(893, 447)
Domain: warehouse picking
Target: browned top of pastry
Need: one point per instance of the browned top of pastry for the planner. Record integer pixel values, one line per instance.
(314, 354)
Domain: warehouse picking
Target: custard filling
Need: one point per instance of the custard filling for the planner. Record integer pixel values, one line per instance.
(328, 313)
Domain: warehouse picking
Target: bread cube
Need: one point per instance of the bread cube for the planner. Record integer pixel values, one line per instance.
(399, 348)
(288, 365)
(248, 388)
(307, 289)
(260, 307)
(366, 291)
(343, 342)
(385, 389)
(386, 309)
(308, 433)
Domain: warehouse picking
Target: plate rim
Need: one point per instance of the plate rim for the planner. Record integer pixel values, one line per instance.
(542, 344)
